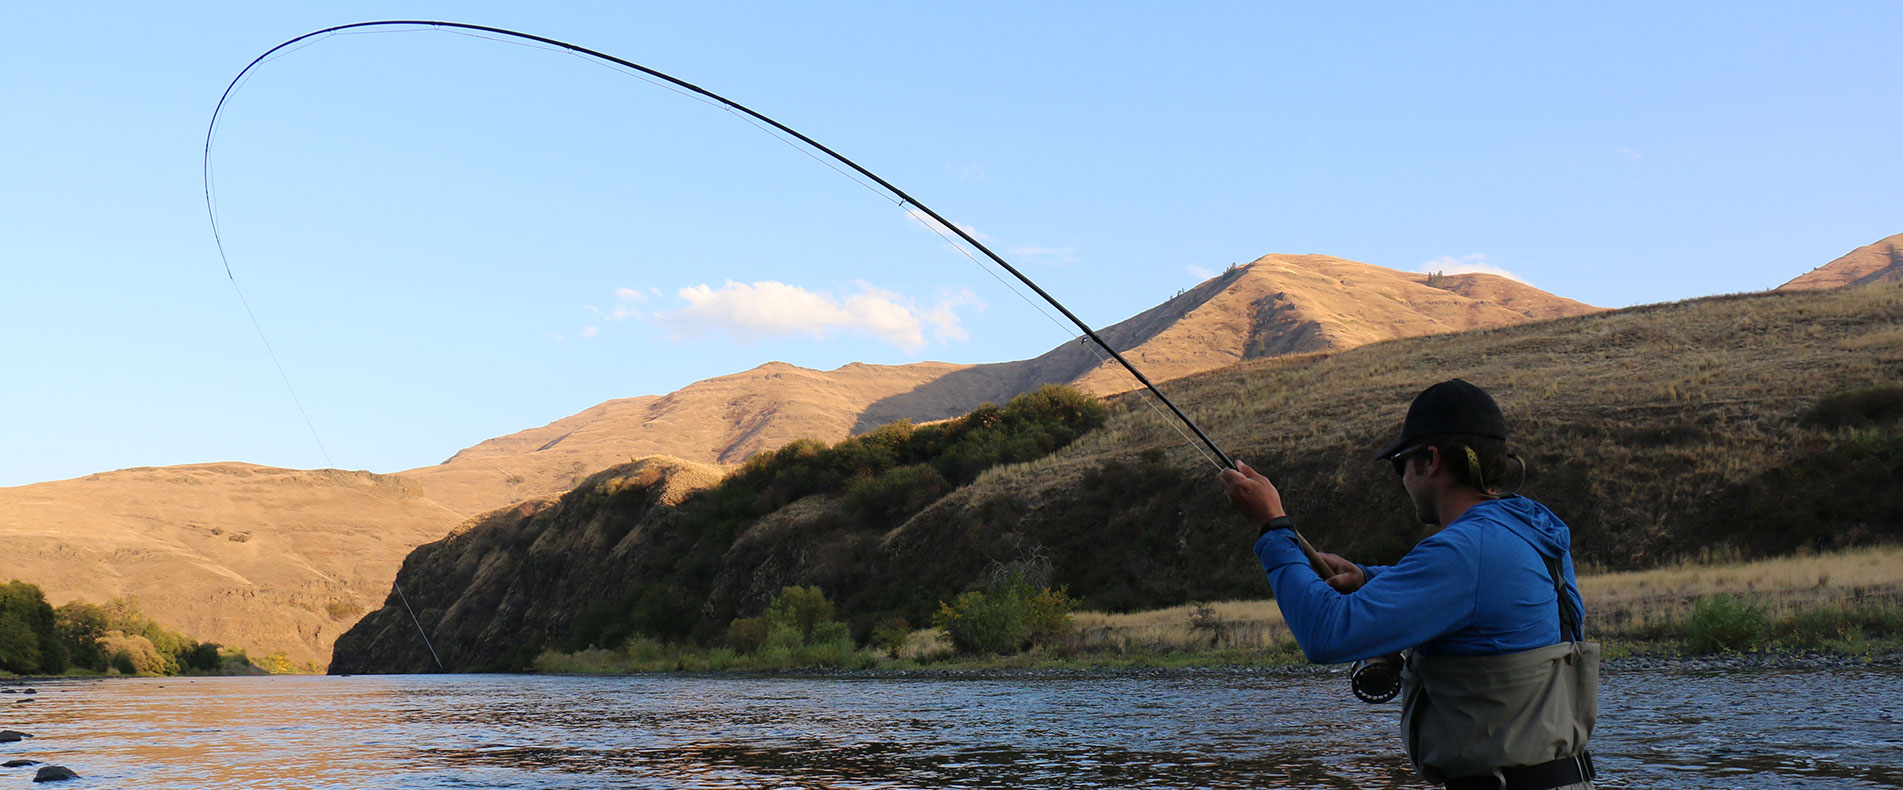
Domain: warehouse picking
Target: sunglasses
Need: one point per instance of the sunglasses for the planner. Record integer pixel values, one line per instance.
(1400, 459)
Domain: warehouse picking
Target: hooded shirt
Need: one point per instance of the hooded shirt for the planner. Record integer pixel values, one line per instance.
(1478, 587)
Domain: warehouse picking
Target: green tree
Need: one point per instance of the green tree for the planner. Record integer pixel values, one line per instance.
(80, 625)
(29, 641)
(799, 608)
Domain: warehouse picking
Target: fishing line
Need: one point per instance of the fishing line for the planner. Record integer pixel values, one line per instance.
(902, 197)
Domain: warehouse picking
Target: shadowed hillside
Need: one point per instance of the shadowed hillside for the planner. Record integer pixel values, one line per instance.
(1759, 424)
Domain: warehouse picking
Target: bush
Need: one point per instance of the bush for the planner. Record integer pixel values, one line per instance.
(1006, 620)
(890, 634)
(894, 495)
(133, 654)
(801, 608)
(1723, 623)
(1866, 406)
(203, 657)
(746, 634)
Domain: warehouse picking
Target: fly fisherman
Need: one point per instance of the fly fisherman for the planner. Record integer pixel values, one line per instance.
(1500, 688)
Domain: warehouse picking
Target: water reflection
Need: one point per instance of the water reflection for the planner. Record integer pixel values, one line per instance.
(1658, 729)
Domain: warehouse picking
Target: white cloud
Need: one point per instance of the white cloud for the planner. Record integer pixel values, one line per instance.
(1465, 264)
(1199, 272)
(964, 171)
(625, 299)
(768, 309)
(1629, 153)
(590, 331)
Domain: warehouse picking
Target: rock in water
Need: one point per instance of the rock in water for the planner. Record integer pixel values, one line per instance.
(18, 763)
(54, 773)
(10, 736)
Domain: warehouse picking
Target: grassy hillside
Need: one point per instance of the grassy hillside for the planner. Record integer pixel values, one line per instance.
(1749, 425)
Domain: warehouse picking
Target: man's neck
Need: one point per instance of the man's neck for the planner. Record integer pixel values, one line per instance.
(1456, 501)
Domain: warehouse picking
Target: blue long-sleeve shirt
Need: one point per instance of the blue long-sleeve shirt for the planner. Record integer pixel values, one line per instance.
(1478, 587)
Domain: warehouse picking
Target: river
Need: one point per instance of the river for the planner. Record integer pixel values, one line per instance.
(1657, 729)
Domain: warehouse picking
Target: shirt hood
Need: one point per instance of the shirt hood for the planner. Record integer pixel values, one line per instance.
(1528, 519)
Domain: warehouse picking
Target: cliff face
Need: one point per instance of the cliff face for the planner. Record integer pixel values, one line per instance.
(498, 589)
(1737, 423)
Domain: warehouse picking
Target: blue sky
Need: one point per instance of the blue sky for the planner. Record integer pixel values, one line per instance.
(447, 239)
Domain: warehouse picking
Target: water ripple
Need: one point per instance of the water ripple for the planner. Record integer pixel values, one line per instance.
(1657, 729)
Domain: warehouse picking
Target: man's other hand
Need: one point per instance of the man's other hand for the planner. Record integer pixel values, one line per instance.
(1251, 494)
(1347, 576)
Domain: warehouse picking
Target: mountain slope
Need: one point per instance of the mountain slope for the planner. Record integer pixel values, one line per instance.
(1275, 305)
(1657, 432)
(717, 421)
(1881, 262)
(271, 560)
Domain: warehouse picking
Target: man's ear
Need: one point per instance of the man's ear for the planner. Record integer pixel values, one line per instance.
(1434, 462)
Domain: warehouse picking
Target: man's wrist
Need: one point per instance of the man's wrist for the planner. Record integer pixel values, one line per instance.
(1279, 522)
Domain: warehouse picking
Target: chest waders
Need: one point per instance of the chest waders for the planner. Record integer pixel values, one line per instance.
(1518, 721)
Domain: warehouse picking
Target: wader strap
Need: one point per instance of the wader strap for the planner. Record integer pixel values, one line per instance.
(1568, 616)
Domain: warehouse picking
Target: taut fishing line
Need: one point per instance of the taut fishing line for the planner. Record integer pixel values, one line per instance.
(806, 145)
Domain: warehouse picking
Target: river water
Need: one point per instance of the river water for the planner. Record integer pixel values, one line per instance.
(1762, 729)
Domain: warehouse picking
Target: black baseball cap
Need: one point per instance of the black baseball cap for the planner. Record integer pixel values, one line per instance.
(1452, 406)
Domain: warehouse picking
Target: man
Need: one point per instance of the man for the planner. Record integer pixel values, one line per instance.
(1500, 688)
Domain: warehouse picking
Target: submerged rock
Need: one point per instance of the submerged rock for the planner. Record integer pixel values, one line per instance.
(18, 763)
(54, 773)
(10, 736)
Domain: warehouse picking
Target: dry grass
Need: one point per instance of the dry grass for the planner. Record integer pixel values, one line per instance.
(1224, 625)
(1639, 603)
(1618, 605)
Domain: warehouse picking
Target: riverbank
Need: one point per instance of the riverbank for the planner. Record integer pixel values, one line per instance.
(1802, 612)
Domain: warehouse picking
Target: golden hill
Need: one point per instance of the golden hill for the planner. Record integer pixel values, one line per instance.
(717, 421)
(271, 560)
(1881, 262)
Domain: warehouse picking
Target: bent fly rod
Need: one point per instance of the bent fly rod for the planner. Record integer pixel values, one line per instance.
(901, 195)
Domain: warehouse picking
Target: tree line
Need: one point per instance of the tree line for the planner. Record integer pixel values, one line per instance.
(37, 638)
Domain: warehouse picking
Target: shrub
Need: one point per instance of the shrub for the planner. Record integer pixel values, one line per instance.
(1724, 622)
(890, 634)
(1866, 406)
(134, 654)
(894, 495)
(1814, 628)
(1047, 614)
(746, 634)
(1005, 620)
(801, 608)
(203, 657)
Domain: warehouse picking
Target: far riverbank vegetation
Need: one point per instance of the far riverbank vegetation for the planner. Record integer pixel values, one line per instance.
(113, 638)
(1846, 605)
